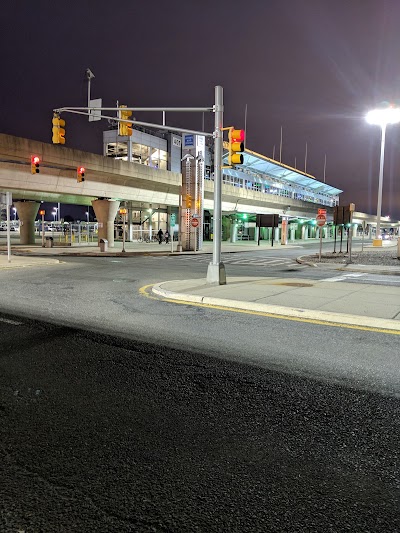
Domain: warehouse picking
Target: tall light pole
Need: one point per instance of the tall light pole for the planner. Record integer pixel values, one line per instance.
(382, 117)
(87, 216)
(15, 213)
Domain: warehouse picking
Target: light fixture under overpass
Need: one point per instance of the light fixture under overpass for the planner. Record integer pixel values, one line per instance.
(382, 117)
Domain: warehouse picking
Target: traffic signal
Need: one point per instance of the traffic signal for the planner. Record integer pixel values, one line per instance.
(236, 145)
(188, 200)
(80, 174)
(58, 129)
(124, 128)
(35, 163)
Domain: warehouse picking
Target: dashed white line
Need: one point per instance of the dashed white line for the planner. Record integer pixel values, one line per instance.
(8, 321)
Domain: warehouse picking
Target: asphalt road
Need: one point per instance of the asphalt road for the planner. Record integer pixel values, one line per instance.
(187, 418)
(105, 434)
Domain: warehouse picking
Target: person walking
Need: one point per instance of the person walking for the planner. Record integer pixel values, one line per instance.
(166, 235)
(160, 235)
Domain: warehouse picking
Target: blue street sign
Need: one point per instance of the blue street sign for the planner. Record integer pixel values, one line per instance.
(189, 140)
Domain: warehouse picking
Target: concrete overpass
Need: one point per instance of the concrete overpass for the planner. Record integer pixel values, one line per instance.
(109, 181)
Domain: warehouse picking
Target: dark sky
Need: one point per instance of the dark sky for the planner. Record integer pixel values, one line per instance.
(313, 67)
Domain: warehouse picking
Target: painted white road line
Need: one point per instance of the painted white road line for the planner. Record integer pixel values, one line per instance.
(8, 321)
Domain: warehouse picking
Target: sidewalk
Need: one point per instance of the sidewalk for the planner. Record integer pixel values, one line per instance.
(22, 261)
(135, 248)
(331, 300)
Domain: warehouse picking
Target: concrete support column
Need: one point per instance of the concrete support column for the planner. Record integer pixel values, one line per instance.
(233, 231)
(256, 233)
(151, 225)
(292, 234)
(276, 236)
(129, 225)
(355, 227)
(106, 211)
(305, 232)
(27, 212)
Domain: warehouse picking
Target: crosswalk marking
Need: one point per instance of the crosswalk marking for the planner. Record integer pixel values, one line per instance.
(245, 261)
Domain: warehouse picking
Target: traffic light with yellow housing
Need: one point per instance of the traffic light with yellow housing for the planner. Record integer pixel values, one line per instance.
(35, 164)
(80, 174)
(124, 128)
(188, 201)
(58, 129)
(236, 146)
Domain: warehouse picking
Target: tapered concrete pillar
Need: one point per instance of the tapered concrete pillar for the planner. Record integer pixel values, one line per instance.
(233, 231)
(105, 211)
(27, 212)
(256, 233)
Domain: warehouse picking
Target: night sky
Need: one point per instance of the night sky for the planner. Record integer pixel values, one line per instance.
(313, 67)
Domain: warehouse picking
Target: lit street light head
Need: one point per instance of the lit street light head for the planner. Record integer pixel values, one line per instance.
(383, 117)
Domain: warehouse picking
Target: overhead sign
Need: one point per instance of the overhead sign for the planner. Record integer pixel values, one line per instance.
(321, 220)
(95, 114)
(188, 140)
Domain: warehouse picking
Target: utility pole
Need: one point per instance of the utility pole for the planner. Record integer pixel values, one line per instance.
(89, 76)
(216, 270)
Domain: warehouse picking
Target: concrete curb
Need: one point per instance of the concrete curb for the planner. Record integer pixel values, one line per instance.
(291, 312)
(353, 267)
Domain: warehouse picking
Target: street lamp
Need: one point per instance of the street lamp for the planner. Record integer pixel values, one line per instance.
(87, 216)
(54, 215)
(15, 213)
(382, 118)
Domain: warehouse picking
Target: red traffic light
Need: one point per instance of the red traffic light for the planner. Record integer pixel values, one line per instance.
(237, 135)
(35, 163)
(80, 172)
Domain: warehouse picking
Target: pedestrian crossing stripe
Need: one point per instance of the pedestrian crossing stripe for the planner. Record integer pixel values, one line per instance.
(257, 262)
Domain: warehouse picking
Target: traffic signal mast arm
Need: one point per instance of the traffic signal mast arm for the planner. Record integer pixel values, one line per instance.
(87, 112)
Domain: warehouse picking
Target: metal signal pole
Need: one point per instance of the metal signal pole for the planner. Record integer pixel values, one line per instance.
(216, 270)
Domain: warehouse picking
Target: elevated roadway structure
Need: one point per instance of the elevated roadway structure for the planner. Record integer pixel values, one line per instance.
(255, 188)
